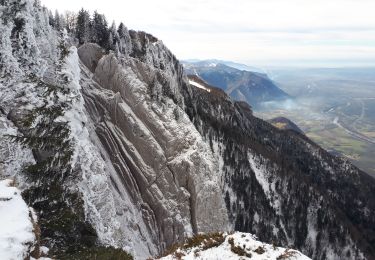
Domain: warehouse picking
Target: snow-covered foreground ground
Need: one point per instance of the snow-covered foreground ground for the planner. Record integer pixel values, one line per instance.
(16, 228)
(237, 246)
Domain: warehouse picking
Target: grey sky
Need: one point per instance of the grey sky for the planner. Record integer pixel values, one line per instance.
(257, 32)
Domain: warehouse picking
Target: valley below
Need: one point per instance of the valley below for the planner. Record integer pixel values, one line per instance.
(334, 108)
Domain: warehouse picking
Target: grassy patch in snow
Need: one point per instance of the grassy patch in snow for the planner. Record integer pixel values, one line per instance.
(203, 241)
(237, 249)
(288, 254)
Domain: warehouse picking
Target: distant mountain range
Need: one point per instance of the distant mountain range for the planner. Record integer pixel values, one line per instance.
(232, 64)
(237, 81)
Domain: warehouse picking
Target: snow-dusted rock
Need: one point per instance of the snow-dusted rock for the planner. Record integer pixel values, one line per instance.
(161, 161)
(16, 226)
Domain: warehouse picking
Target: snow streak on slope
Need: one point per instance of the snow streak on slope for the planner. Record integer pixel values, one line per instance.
(16, 228)
(268, 184)
(196, 84)
(235, 247)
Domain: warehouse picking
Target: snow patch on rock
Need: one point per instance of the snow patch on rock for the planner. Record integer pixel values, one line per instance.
(238, 246)
(16, 228)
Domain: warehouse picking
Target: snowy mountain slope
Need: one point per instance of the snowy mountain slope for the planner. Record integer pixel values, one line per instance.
(16, 233)
(156, 160)
(283, 187)
(234, 246)
(30, 51)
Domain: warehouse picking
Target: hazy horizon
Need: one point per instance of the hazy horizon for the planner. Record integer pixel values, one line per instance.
(291, 66)
(269, 33)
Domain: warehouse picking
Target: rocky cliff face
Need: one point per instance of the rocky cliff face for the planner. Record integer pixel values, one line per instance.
(161, 162)
(157, 159)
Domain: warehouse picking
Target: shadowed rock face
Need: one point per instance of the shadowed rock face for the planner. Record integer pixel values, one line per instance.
(159, 156)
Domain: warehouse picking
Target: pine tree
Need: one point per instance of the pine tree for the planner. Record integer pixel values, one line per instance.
(37, 4)
(57, 21)
(110, 42)
(122, 30)
(62, 22)
(100, 32)
(83, 26)
(45, 132)
(51, 19)
(114, 38)
(93, 28)
(124, 43)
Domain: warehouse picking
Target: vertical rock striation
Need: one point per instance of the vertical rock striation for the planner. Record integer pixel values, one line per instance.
(161, 160)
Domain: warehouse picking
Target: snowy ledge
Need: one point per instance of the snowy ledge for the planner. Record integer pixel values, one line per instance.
(231, 247)
(16, 228)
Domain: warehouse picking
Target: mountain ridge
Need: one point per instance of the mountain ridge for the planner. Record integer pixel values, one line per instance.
(235, 65)
(242, 85)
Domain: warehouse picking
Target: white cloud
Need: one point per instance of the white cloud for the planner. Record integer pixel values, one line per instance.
(262, 32)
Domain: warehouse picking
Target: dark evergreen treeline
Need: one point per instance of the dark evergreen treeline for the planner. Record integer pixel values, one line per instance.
(89, 28)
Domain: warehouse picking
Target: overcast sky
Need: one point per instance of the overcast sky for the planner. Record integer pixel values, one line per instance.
(312, 33)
